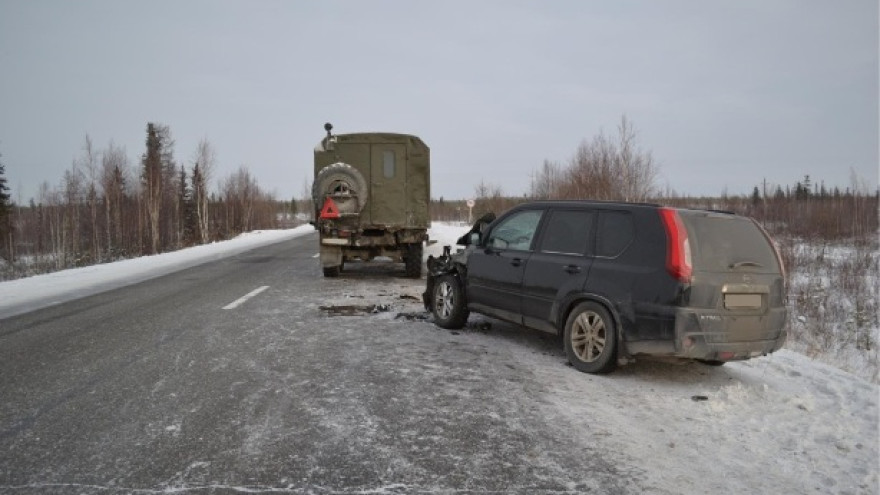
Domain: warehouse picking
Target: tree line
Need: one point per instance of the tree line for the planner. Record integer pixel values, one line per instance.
(616, 168)
(799, 210)
(104, 208)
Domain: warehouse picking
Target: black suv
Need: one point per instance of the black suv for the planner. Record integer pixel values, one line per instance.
(617, 280)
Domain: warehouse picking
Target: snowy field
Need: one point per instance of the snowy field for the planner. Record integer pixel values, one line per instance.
(779, 424)
(834, 298)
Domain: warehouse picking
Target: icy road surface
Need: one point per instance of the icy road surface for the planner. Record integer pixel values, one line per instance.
(313, 385)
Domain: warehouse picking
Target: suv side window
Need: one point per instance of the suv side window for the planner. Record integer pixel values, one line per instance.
(615, 233)
(567, 232)
(515, 231)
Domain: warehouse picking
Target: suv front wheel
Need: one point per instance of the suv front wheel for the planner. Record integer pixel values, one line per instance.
(590, 339)
(448, 304)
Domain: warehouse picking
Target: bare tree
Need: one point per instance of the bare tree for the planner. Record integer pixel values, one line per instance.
(488, 198)
(241, 192)
(204, 159)
(636, 170)
(89, 164)
(601, 168)
(72, 187)
(307, 204)
(200, 210)
(55, 217)
(546, 182)
(115, 166)
(590, 171)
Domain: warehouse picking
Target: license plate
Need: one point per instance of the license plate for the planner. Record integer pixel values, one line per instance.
(742, 301)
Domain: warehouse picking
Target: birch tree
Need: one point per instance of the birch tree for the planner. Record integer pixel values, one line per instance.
(204, 159)
(90, 169)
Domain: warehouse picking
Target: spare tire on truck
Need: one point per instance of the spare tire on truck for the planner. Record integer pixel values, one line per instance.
(340, 180)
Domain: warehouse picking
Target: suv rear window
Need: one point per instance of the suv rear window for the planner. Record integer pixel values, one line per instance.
(721, 242)
(616, 231)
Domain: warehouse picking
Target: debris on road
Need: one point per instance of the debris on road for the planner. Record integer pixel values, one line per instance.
(355, 310)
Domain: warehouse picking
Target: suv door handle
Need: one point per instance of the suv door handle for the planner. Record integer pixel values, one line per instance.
(572, 269)
(516, 261)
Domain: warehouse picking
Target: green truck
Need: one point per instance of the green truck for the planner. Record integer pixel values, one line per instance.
(371, 193)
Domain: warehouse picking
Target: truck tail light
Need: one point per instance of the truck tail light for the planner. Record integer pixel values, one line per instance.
(678, 248)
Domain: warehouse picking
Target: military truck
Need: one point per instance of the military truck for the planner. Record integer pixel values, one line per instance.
(371, 194)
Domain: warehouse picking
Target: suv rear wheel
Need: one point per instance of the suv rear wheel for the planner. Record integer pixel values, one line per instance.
(591, 339)
(448, 304)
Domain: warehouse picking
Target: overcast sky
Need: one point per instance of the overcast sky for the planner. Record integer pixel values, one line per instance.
(724, 94)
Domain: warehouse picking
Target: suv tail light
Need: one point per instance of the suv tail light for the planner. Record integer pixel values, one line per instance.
(678, 249)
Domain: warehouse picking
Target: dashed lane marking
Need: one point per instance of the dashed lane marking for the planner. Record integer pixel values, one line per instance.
(241, 300)
(316, 255)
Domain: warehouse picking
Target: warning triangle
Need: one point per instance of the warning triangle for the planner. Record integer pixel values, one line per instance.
(329, 210)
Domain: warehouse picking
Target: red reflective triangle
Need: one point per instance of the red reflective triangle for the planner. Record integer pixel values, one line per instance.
(329, 210)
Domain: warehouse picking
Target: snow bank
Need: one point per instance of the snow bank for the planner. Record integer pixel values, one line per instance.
(28, 294)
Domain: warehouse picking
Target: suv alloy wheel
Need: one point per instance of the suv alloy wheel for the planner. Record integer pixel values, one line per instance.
(448, 303)
(591, 339)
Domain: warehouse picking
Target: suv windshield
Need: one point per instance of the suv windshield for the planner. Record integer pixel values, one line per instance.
(721, 242)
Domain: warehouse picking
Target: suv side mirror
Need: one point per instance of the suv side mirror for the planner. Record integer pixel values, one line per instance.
(474, 239)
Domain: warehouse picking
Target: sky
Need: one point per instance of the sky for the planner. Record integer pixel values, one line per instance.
(724, 95)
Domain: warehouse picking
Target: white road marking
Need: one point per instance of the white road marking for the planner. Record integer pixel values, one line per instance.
(316, 255)
(238, 302)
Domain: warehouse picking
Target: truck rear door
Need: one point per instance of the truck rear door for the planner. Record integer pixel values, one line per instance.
(388, 184)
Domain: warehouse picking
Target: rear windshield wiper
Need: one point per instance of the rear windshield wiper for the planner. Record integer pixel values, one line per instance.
(740, 264)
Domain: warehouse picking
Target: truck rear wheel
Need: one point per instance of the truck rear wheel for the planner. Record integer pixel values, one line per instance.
(332, 271)
(413, 259)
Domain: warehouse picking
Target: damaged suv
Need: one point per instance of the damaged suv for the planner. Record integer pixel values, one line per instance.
(617, 280)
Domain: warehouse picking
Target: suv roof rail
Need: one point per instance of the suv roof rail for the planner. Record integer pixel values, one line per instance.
(596, 201)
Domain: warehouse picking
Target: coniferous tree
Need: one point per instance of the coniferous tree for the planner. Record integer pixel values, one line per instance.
(156, 163)
(5, 216)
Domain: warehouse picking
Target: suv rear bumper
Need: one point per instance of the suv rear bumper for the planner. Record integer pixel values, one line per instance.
(708, 335)
(705, 334)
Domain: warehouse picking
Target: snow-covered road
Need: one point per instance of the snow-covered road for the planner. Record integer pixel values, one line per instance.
(386, 402)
